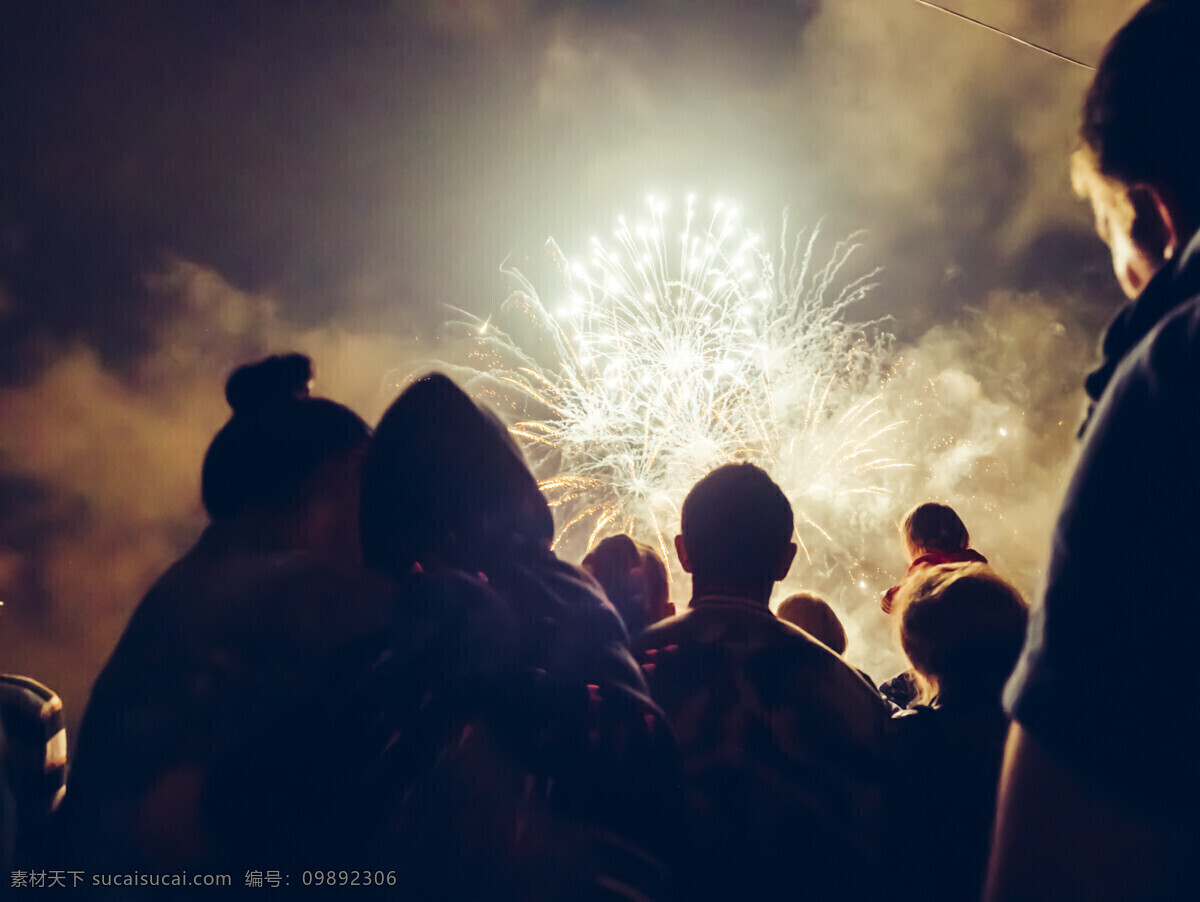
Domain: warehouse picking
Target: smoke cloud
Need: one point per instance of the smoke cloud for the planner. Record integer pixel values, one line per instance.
(101, 469)
(325, 177)
(992, 408)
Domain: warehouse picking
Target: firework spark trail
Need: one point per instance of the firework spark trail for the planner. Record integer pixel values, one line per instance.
(670, 354)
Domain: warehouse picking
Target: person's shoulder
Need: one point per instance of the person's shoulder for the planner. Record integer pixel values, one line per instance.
(668, 632)
(1150, 404)
(300, 575)
(570, 595)
(793, 638)
(1168, 354)
(305, 600)
(322, 570)
(230, 579)
(818, 661)
(717, 621)
(1150, 399)
(576, 587)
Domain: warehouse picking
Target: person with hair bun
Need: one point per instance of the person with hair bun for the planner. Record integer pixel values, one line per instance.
(267, 608)
(287, 466)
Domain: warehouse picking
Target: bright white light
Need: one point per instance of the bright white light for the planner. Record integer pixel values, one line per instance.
(667, 371)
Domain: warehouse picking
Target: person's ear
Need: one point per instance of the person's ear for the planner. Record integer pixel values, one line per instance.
(785, 561)
(1154, 231)
(681, 551)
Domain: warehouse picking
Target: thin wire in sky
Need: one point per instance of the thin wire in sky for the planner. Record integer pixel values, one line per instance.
(1010, 36)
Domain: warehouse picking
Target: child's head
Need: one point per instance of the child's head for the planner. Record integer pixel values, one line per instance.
(814, 615)
(962, 628)
(933, 527)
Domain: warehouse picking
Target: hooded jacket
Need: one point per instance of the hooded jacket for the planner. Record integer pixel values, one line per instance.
(522, 755)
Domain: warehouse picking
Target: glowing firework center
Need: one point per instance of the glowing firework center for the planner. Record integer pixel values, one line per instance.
(684, 347)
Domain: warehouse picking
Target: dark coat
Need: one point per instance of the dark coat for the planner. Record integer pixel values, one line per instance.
(231, 640)
(945, 799)
(1105, 680)
(786, 753)
(520, 754)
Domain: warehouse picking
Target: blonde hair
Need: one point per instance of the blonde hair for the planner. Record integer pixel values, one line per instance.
(815, 616)
(962, 628)
(1105, 192)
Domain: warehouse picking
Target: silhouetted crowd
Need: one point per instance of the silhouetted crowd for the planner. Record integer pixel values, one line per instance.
(373, 662)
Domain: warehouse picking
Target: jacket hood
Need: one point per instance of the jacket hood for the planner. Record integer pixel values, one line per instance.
(444, 482)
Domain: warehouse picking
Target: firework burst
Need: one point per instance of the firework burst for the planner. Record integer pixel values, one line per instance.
(678, 350)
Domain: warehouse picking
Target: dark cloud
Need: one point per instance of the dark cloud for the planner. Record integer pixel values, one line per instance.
(100, 484)
(299, 146)
(382, 158)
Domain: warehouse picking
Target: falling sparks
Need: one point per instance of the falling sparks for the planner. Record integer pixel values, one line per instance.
(683, 347)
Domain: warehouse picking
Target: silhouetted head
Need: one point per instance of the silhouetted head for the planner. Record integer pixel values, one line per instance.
(736, 539)
(814, 615)
(284, 454)
(933, 527)
(446, 485)
(635, 580)
(1136, 161)
(962, 628)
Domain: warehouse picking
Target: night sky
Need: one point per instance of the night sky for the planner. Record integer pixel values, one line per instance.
(186, 186)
